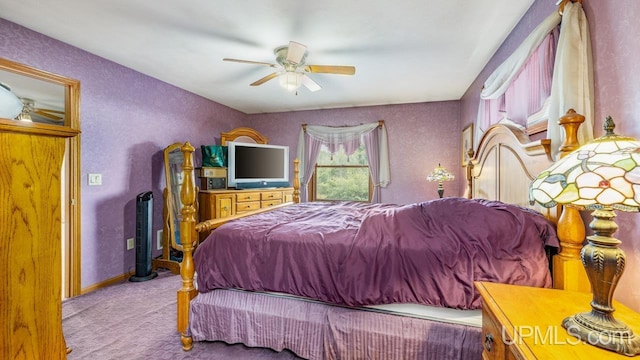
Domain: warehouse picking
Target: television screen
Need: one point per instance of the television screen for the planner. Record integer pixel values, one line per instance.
(257, 164)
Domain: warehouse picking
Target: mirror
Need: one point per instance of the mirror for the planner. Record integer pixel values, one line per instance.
(172, 210)
(42, 97)
(173, 160)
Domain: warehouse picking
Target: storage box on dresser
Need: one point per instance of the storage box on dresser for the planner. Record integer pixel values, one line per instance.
(218, 204)
(520, 322)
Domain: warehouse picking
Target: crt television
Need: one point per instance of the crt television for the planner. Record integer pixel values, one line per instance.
(257, 165)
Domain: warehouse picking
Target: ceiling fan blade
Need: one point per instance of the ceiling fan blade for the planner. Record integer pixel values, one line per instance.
(265, 79)
(50, 111)
(310, 84)
(251, 62)
(295, 52)
(331, 69)
(45, 114)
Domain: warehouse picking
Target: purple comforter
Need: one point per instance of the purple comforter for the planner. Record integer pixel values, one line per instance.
(363, 254)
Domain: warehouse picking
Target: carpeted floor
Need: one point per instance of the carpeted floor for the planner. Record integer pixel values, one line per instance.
(138, 321)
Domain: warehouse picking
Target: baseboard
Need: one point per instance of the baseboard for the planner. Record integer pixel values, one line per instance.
(105, 283)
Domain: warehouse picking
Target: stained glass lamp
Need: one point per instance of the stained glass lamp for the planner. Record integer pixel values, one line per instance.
(440, 174)
(601, 176)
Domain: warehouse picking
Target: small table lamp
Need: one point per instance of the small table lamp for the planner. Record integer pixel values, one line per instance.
(602, 175)
(440, 174)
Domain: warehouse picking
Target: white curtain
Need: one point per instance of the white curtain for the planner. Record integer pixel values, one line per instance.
(572, 84)
(308, 148)
(498, 82)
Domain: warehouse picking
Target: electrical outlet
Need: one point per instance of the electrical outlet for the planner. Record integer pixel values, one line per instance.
(94, 179)
(131, 243)
(159, 236)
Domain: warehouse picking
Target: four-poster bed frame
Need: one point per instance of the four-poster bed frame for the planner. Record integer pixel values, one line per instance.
(503, 166)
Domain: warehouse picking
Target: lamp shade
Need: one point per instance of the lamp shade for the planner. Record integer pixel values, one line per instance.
(440, 174)
(603, 172)
(602, 175)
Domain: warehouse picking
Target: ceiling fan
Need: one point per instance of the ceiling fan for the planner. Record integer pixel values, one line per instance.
(292, 71)
(21, 108)
(29, 111)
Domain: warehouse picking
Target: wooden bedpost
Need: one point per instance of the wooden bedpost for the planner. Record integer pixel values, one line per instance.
(568, 271)
(469, 191)
(187, 230)
(296, 181)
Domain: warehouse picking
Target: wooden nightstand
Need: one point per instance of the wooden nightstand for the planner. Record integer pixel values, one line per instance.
(521, 322)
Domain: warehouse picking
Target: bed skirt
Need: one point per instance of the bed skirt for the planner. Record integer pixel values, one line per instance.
(315, 330)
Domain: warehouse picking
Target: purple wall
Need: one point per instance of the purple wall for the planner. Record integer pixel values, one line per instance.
(616, 48)
(127, 119)
(420, 136)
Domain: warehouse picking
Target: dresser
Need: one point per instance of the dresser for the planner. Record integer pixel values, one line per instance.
(218, 204)
(521, 322)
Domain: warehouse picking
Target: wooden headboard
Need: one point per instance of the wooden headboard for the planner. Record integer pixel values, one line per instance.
(243, 134)
(504, 165)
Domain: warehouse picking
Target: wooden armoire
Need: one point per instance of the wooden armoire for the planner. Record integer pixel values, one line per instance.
(31, 163)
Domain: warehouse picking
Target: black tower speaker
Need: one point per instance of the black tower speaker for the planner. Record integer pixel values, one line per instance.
(144, 225)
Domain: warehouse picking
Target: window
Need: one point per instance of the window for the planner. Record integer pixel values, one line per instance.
(339, 177)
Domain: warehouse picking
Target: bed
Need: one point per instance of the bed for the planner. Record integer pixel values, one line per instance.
(330, 316)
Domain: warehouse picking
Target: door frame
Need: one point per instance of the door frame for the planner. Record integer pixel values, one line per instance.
(70, 129)
(71, 268)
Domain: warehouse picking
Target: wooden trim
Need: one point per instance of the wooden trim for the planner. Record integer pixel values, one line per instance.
(36, 128)
(29, 71)
(72, 93)
(242, 131)
(103, 284)
(70, 130)
(537, 128)
(73, 276)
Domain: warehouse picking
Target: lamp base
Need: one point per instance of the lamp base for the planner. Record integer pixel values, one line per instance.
(602, 330)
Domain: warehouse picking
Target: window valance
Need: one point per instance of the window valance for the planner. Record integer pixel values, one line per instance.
(373, 135)
(572, 79)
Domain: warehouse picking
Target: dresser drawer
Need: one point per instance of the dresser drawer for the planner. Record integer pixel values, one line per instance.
(250, 196)
(247, 206)
(493, 346)
(271, 203)
(271, 195)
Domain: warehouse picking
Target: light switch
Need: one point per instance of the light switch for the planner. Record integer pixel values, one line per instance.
(95, 179)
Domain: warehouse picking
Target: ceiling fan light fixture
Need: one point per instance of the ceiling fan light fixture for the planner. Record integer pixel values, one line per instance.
(27, 107)
(291, 81)
(10, 104)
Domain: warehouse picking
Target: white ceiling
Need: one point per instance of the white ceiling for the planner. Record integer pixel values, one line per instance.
(403, 51)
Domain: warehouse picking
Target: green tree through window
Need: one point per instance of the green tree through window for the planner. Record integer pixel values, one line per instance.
(339, 177)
